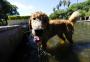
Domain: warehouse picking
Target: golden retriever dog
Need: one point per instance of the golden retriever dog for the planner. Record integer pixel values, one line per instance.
(43, 29)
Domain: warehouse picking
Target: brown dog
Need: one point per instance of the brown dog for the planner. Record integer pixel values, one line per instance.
(44, 28)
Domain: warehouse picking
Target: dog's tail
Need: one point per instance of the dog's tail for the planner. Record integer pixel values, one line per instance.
(74, 16)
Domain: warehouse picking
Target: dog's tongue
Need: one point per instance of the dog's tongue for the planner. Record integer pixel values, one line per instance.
(37, 39)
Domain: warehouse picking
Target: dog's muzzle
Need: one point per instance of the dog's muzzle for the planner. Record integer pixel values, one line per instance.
(39, 32)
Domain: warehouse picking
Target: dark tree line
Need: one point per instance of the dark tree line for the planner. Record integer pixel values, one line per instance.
(6, 9)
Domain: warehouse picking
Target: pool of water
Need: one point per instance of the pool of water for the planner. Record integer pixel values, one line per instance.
(79, 52)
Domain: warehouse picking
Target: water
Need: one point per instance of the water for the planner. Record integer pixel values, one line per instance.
(79, 52)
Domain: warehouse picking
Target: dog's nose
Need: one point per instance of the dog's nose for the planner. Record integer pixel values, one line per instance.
(39, 32)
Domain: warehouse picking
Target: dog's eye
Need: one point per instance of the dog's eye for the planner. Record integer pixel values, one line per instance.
(34, 18)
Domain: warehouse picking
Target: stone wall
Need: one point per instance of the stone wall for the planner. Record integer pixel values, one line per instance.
(10, 36)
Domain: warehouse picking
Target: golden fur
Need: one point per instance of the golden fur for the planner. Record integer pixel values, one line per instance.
(63, 28)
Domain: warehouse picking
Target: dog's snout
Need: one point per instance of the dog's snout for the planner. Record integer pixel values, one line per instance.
(39, 32)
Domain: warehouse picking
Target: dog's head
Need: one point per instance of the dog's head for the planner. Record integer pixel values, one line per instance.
(38, 23)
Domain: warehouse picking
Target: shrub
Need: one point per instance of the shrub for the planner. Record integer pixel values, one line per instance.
(17, 17)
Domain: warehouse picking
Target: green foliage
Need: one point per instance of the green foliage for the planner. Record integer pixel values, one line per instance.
(18, 17)
(7, 8)
(87, 13)
(84, 8)
(3, 22)
(82, 12)
(0, 23)
(58, 14)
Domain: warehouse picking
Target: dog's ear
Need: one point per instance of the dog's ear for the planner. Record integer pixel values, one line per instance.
(30, 27)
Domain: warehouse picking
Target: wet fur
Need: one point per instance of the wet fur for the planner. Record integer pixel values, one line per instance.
(61, 27)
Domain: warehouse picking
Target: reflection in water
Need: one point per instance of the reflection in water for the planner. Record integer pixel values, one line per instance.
(83, 45)
(80, 52)
(80, 46)
(64, 54)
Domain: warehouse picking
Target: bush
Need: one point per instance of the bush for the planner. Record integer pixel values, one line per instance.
(18, 17)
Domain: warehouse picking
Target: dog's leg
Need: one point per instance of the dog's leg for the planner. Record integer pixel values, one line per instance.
(62, 36)
(69, 37)
(44, 46)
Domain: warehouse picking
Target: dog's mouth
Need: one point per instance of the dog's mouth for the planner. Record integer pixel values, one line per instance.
(39, 32)
(38, 40)
(38, 36)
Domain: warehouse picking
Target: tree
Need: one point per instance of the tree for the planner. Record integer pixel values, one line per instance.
(58, 14)
(64, 3)
(84, 8)
(13, 10)
(6, 9)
